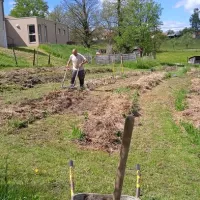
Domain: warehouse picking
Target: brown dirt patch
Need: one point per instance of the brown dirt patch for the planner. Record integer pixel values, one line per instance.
(192, 113)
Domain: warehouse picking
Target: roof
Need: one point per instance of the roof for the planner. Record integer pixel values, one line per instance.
(15, 18)
(194, 57)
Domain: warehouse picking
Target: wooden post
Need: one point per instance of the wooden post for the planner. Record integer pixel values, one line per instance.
(49, 60)
(126, 140)
(15, 57)
(34, 57)
(37, 57)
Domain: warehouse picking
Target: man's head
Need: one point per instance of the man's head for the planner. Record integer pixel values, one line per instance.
(75, 52)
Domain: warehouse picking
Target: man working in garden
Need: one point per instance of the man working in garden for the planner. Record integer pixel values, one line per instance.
(78, 61)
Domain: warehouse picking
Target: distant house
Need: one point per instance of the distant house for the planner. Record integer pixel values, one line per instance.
(174, 35)
(31, 31)
(194, 60)
(196, 35)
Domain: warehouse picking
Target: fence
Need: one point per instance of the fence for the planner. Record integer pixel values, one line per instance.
(114, 58)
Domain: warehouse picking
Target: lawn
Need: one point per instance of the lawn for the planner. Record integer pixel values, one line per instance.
(34, 160)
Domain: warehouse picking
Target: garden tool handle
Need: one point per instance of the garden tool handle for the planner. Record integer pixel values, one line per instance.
(138, 181)
(126, 140)
(71, 164)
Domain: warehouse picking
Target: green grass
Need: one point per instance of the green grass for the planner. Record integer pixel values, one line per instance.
(176, 56)
(64, 51)
(9, 61)
(141, 64)
(180, 101)
(193, 132)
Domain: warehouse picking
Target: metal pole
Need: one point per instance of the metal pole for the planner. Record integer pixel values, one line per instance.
(49, 61)
(126, 140)
(37, 57)
(138, 181)
(34, 57)
(71, 166)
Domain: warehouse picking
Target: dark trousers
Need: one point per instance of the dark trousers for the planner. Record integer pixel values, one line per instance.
(81, 76)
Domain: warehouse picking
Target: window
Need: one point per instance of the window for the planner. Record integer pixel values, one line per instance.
(32, 36)
(64, 32)
(40, 32)
(45, 34)
(59, 31)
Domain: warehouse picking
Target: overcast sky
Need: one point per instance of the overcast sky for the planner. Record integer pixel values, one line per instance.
(175, 15)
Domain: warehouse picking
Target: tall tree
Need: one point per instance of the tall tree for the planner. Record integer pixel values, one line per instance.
(83, 17)
(29, 8)
(58, 15)
(195, 20)
(169, 32)
(141, 20)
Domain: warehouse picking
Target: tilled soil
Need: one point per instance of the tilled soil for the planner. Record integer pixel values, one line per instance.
(105, 111)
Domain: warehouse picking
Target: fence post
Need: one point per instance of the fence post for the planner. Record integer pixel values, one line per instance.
(15, 57)
(37, 57)
(49, 60)
(34, 57)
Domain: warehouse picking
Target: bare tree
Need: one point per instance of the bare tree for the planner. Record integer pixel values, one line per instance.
(58, 15)
(83, 18)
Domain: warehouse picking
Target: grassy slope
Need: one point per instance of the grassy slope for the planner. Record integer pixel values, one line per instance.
(169, 160)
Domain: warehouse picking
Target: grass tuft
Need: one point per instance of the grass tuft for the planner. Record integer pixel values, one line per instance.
(180, 101)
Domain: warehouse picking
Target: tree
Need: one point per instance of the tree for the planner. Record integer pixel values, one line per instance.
(186, 30)
(195, 20)
(141, 20)
(83, 18)
(169, 32)
(28, 8)
(187, 39)
(58, 15)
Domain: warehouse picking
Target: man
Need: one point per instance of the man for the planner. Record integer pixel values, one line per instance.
(78, 61)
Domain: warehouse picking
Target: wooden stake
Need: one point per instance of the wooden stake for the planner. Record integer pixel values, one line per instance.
(126, 140)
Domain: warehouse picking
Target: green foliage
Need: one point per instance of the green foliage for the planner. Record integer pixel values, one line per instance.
(168, 75)
(180, 101)
(135, 103)
(29, 8)
(187, 39)
(193, 132)
(77, 134)
(18, 124)
(135, 30)
(141, 64)
(195, 20)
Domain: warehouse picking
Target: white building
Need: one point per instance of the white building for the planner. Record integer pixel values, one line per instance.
(3, 38)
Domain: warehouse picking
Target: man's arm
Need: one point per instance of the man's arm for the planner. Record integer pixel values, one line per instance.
(68, 63)
(84, 61)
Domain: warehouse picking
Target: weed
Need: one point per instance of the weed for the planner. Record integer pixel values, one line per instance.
(77, 134)
(141, 64)
(86, 116)
(118, 134)
(180, 101)
(168, 75)
(193, 132)
(135, 104)
(122, 90)
(18, 124)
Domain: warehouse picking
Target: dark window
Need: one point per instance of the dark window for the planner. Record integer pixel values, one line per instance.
(64, 32)
(45, 34)
(59, 31)
(32, 36)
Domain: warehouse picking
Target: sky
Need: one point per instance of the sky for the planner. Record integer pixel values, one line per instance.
(175, 14)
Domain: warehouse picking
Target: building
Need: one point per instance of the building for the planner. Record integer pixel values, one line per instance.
(3, 39)
(30, 31)
(174, 35)
(194, 60)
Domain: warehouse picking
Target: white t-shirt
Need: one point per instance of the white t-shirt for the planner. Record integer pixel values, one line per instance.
(77, 60)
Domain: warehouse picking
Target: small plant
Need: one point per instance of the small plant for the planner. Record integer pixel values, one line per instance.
(18, 124)
(192, 131)
(118, 134)
(180, 101)
(135, 104)
(77, 133)
(86, 116)
(168, 75)
(122, 90)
